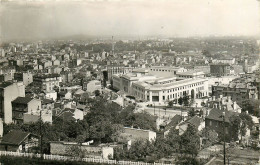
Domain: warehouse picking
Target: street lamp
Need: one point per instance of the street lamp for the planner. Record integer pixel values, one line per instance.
(38, 109)
(224, 138)
(154, 109)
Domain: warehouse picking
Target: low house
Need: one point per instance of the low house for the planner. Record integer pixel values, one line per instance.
(23, 105)
(71, 114)
(63, 148)
(47, 104)
(133, 134)
(172, 124)
(195, 121)
(214, 121)
(64, 95)
(18, 141)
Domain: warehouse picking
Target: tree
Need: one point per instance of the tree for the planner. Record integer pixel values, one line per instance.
(210, 136)
(235, 122)
(202, 104)
(190, 142)
(191, 112)
(180, 101)
(186, 100)
(97, 93)
(76, 151)
(170, 103)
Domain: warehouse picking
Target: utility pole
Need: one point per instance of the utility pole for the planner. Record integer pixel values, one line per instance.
(154, 109)
(40, 130)
(224, 137)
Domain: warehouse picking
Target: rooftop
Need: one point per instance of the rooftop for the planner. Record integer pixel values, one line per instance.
(14, 137)
(22, 100)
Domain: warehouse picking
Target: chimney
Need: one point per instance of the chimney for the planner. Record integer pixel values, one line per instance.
(229, 99)
(234, 105)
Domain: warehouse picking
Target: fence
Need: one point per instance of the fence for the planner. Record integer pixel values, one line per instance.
(69, 158)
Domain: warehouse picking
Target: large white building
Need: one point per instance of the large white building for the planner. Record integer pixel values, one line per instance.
(167, 89)
(149, 88)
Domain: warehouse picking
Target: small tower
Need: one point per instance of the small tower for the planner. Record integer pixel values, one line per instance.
(113, 45)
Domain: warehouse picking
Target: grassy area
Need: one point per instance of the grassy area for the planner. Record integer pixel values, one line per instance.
(10, 160)
(238, 156)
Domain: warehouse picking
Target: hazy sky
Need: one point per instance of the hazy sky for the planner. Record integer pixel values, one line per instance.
(182, 18)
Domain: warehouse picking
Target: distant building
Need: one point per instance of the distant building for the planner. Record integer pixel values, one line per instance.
(190, 74)
(118, 69)
(220, 69)
(9, 92)
(93, 86)
(47, 82)
(238, 91)
(230, 61)
(162, 71)
(26, 78)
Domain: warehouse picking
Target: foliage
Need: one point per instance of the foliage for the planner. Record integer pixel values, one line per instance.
(170, 104)
(211, 137)
(251, 106)
(191, 112)
(235, 127)
(11, 160)
(180, 101)
(190, 141)
(185, 160)
(76, 151)
(186, 100)
(97, 93)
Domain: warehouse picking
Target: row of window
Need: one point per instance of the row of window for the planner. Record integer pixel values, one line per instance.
(163, 70)
(184, 87)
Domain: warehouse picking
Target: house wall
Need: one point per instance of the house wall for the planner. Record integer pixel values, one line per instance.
(60, 148)
(1, 127)
(9, 94)
(27, 78)
(140, 134)
(94, 85)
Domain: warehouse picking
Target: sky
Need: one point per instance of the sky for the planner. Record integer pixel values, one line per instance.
(166, 18)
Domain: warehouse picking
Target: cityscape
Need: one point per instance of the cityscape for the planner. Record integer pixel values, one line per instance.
(130, 83)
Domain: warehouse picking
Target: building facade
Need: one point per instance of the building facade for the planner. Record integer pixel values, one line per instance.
(9, 92)
(167, 90)
(26, 78)
(47, 82)
(220, 69)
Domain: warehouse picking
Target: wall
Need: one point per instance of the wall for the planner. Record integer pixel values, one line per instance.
(1, 127)
(61, 148)
(10, 93)
(27, 78)
(94, 85)
(33, 105)
(140, 134)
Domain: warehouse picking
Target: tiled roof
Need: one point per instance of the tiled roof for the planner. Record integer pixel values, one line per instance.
(195, 121)
(47, 101)
(5, 84)
(15, 137)
(216, 114)
(22, 100)
(174, 122)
